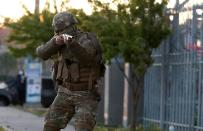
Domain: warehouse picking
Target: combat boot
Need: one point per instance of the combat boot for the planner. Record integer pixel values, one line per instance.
(49, 128)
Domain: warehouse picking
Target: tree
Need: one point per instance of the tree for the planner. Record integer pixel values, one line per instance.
(7, 66)
(33, 29)
(130, 30)
(29, 31)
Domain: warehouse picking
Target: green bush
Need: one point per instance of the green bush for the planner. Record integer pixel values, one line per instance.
(139, 128)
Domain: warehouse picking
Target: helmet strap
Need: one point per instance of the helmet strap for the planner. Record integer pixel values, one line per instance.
(71, 30)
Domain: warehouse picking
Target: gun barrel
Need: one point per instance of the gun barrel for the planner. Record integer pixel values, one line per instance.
(67, 36)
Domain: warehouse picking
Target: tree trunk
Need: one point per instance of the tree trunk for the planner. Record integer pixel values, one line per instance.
(55, 6)
(137, 88)
(37, 6)
(136, 83)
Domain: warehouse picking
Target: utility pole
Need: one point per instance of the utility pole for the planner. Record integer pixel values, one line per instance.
(126, 94)
(36, 6)
(176, 24)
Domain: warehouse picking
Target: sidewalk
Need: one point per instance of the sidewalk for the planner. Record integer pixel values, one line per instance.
(16, 120)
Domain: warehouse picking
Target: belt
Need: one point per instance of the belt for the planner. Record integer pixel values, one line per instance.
(75, 86)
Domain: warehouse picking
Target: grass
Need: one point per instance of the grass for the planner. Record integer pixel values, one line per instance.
(2, 129)
(139, 128)
(41, 112)
(110, 129)
(34, 110)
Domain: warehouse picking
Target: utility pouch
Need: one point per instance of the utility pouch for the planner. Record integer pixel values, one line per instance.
(74, 72)
(55, 70)
(60, 71)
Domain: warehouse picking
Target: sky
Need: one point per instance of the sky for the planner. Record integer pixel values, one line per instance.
(13, 8)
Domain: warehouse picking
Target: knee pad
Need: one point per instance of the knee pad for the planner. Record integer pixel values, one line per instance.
(58, 117)
(86, 123)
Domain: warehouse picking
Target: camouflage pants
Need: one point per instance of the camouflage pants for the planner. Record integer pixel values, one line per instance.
(80, 104)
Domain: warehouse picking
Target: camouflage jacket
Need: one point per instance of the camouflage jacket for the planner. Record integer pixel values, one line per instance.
(76, 61)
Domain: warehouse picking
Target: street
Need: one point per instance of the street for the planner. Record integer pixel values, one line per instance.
(13, 119)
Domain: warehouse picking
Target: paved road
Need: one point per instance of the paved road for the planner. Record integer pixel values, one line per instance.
(16, 120)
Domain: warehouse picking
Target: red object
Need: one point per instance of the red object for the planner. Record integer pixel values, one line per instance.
(193, 46)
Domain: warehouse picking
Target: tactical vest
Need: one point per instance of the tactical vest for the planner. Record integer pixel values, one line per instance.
(68, 69)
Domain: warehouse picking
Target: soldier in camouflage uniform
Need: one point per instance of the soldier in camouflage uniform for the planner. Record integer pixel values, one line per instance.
(76, 70)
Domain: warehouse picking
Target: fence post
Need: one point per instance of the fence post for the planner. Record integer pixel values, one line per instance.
(163, 84)
(106, 95)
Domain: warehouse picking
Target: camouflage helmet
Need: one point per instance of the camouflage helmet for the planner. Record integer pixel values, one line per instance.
(63, 20)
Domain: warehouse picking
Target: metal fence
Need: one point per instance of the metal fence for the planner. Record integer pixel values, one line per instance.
(173, 92)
